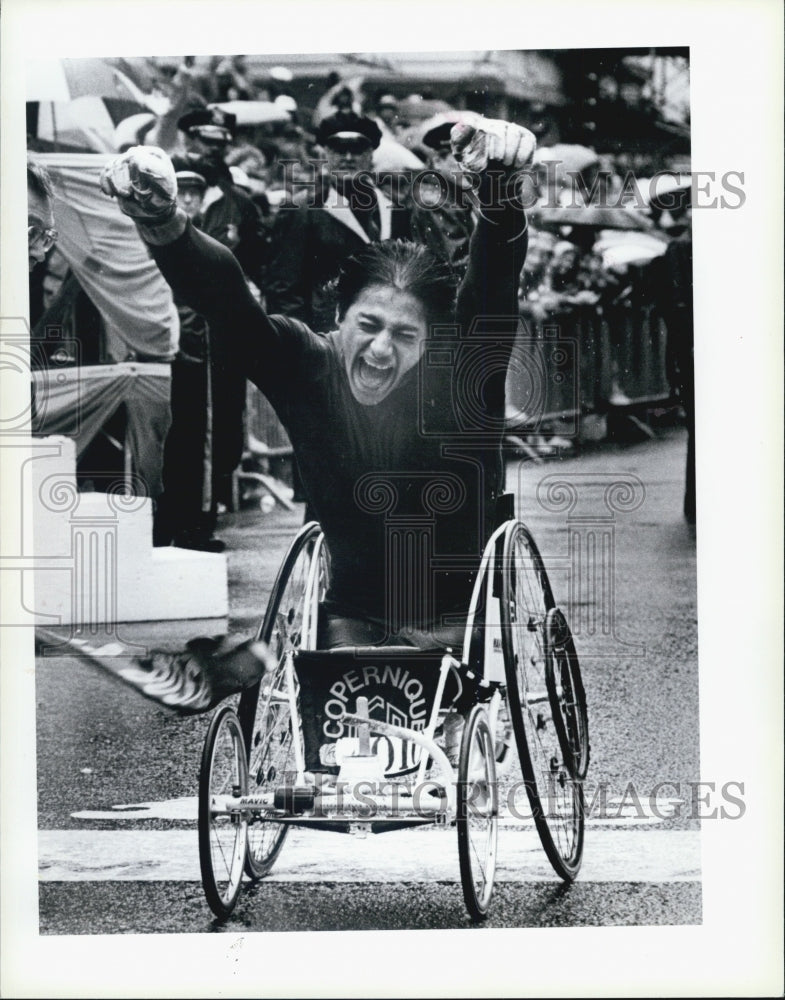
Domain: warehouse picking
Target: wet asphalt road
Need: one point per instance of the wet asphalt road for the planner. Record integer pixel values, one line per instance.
(179, 907)
(101, 746)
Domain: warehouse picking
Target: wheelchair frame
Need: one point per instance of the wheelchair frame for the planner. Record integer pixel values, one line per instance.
(464, 795)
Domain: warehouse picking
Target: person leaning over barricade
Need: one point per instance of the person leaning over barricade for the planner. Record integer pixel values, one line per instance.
(375, 418)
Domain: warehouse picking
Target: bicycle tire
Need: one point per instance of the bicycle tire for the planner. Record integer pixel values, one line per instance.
(477, 814)
(264, 709)
(222, 838)
(555, 797)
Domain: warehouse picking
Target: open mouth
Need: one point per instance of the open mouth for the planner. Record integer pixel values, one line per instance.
(372, 378)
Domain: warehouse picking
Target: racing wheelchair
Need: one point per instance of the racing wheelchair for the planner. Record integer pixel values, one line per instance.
(346, 738)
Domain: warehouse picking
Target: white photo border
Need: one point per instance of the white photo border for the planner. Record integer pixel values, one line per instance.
(736, 83)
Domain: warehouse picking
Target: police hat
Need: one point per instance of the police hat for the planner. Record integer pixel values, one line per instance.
(209, 123)
(438, 137)
(348, 125)
(190, 179)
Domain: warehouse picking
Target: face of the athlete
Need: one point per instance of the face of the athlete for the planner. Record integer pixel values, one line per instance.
(381, 337)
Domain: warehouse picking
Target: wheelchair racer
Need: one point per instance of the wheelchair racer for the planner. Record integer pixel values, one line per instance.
(396, 417)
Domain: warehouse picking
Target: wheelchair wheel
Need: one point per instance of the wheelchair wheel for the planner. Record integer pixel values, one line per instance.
(555, 797)
(566, 693)
(222, 838)
(478, 814)
(264, 709)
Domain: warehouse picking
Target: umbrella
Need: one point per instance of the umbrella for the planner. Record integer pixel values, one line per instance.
(393, 155)
(63, 80)
(632, 253)
(414, 109)
(255, 112)
(83, 124)
(619, 248)
(570, 157)
(75, 104)
(592, 216)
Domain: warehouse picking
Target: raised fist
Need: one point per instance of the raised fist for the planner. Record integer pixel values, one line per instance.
(477, 143)
(144, 183)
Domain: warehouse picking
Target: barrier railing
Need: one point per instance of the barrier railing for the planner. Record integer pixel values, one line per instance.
(585, 359)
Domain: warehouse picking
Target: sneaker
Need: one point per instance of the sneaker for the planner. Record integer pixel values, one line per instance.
(190, 681)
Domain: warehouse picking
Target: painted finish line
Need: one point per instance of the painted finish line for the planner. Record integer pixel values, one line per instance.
(401, 856)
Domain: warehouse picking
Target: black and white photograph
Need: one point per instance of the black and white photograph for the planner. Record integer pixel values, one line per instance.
(391, 496)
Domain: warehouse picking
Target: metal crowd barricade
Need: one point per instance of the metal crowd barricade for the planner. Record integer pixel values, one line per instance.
(586, 360)
(583, 360)
(638, 352)
(265, 439)
(265, 434)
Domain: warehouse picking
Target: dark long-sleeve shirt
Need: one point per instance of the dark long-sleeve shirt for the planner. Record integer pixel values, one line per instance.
(404, 490)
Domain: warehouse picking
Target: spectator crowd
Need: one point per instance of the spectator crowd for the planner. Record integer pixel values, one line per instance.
(293, 193)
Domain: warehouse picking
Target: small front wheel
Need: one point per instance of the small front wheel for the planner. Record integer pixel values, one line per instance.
(478, 814)
(265, 709)
(223, 833)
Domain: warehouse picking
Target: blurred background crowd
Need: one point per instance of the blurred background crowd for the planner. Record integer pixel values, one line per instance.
(266, 147)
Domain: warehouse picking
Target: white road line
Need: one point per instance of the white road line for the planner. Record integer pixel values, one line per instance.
(402, 856)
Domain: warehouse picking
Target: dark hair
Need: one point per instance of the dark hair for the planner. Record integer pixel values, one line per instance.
(39, 181)
(409, 267)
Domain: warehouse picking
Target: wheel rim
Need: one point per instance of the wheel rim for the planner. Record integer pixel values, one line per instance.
(265, 709)
(555, 797)
(223, 837)
(477, 815)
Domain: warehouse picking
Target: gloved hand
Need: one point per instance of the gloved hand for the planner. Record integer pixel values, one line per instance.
(143, 182)
(490, 140)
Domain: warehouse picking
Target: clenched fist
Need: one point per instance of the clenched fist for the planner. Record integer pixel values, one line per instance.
(477, 143)
(144, 183)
